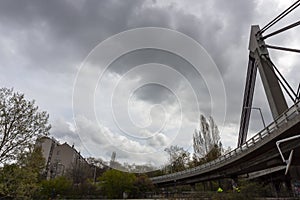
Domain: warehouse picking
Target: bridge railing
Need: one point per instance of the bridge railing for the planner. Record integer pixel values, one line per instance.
(289, 114)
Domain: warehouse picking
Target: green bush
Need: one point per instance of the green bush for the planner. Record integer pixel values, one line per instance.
(114, 183)
(59, 186)
(248, 191)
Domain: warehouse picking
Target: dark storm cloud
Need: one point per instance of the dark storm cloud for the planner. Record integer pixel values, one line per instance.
(222, 28)
(156, 94)
(60, 32)
(51, 34)
(57, 35)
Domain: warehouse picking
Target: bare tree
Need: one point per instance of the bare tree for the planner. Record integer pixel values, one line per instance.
(206, 141)
(179, 158)
(20, 124)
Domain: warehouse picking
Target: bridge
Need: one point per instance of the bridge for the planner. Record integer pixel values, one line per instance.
(257, 154)
(276, 148)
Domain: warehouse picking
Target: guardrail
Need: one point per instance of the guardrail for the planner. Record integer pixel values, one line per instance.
(289, 114)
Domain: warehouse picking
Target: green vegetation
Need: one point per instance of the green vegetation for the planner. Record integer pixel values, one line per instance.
(21, 123)
(57, 186)
(114, 184)
(248, 190)
(20, 180)
(178, 157)
(207, 147)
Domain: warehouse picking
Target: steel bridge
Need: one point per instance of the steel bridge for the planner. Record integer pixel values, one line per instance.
(275, 148)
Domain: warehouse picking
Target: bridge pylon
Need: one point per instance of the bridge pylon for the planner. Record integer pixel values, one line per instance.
(259, 58)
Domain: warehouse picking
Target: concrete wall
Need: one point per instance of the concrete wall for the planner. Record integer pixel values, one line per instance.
(62, 157)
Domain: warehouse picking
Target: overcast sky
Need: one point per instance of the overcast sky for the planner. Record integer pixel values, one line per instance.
(148, 95)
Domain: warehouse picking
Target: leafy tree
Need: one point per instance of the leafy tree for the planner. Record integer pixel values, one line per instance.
(59, 185)
(32, 160)
(143, 184)
(179, 158)
(113, 183)
(20, 124)
(20, 180)
(12, 184)
(206, 141)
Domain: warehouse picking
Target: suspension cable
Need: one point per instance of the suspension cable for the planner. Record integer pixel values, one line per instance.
(285, 81)
(281, 76)
(282, 48)
(280, 16)
(282, 29)
(298, 92)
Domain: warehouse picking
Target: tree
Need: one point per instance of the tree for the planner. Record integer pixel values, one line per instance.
(114, 183)
(33, 159)
(20, 180)
(143, 184)
(206, 141)
(57, 186)
(20, 124)
(179, 158)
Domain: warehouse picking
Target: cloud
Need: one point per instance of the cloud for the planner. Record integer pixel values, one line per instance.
(43, 43)
(159, 140)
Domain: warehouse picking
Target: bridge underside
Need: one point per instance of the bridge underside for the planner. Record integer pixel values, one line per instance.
(261, 156)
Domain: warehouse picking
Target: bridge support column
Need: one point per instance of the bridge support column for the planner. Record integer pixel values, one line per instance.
(193, 187)
(204, 186)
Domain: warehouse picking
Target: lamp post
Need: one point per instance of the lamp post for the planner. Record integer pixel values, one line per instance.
(262, 117)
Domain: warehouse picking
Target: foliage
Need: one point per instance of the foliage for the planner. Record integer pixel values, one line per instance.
(20, 180)
(143, 184)
(33, 159)
(206, 141)
(113, 183)
(248, 190)
(20, 124)
(59, 185)
(179, 158)
(214, 153)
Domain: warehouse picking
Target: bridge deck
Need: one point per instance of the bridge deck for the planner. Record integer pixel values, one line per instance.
(258, 153)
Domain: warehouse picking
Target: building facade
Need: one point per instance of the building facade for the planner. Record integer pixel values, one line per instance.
(60, 158)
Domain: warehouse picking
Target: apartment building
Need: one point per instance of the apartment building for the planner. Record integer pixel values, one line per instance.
(60, 157)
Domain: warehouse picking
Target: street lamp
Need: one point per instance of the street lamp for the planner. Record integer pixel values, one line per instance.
(262, 117)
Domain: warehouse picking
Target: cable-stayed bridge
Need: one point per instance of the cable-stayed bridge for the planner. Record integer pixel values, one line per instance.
(276, 148)
(257, 154)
